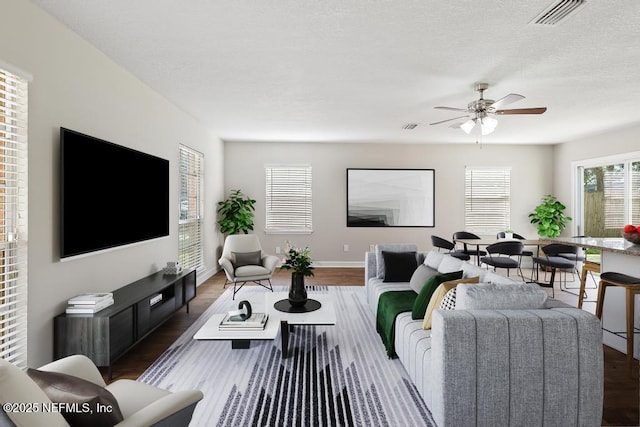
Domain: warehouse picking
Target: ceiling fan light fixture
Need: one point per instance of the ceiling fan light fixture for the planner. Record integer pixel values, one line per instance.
(468, 125)
(488, 125)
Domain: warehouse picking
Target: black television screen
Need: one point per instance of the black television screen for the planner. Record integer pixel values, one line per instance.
(110, 195)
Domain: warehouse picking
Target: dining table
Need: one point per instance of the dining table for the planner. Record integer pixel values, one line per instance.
(484, 242)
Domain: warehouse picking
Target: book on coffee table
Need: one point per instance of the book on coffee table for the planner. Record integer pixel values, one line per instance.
(257, 321)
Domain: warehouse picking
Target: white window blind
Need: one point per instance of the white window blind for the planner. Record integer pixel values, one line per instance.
(191, 208)
(288, 199)
(614, 198)
(487, 199)
(13, 218)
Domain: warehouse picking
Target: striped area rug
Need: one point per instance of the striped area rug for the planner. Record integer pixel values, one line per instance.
(335, 375)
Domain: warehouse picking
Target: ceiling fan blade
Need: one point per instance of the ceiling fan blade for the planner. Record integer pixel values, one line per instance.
(512, 97)
(538, 110)
(452, 109)
(448, 120)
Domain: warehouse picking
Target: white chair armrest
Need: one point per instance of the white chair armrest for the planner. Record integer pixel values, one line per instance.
(162, 408)
(77, 365)
(227, 266)
(270, 262)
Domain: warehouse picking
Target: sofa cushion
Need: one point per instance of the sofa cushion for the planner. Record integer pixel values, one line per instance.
(449, 264)
(390, 247)
(399, 266)
(422, 301)
(490, 296)
(241, 259)
(420, 277)
(470, 270)
(439, 294)
(90, 399)
(433, 259)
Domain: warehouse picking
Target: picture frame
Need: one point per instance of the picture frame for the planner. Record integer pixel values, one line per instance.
(390, 197)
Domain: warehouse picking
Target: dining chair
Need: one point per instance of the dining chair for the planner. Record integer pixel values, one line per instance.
(440, 243)
(506, 254)
(554, 261)
(471, 252)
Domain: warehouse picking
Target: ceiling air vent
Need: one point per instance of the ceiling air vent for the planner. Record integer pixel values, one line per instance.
(558, 12)
(410, 126)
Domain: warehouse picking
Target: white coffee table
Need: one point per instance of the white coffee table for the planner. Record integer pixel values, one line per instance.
(325, 315)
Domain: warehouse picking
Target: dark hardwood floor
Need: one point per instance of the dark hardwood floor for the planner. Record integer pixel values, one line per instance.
(621, 399)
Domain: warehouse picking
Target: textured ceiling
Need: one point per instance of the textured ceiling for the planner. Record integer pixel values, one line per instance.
(359, 70)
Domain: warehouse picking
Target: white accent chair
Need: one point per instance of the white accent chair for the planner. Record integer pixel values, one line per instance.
(243, 260)
(141, 404)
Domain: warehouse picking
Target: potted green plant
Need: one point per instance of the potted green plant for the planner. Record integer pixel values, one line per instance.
(236, 213)
(549, 217)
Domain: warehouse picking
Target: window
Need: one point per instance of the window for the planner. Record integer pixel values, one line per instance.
(487, 199)
(288, 199)
(190, 224)
(608, 195)
(13, 218)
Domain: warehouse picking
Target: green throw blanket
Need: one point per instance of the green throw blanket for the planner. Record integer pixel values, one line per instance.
(390, 305)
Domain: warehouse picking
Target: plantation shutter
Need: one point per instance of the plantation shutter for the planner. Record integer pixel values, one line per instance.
(288, 199)
(487, 204)
(191, 208)
(13, 218)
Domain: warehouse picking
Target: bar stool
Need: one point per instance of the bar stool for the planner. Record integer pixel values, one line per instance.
(593, 267)
(632, 287)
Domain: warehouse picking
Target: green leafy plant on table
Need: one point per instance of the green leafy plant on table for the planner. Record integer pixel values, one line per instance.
(298, 260)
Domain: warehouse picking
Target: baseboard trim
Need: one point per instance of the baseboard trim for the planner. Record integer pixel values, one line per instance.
(338, 264)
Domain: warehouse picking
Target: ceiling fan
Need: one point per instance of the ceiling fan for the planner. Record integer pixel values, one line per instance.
(479, 112)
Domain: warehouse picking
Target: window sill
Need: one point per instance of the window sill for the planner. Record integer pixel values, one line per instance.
(288, 231)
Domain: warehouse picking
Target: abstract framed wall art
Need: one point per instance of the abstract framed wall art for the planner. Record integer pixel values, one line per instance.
(390, 197)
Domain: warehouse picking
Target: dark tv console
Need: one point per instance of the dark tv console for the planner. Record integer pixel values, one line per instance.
(138, 309)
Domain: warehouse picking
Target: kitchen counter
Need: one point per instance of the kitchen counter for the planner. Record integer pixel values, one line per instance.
(610, 244)
(620, 256)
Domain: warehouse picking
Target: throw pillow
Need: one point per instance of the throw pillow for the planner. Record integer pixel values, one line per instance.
(421, 303)
(449, 300)
(246, 258)
(470, 270)
(490, 296)
(449, 264)
(433, 259)
(439, 294)
(82, 399)
(399, 266)
(420, 277)
(390, 247)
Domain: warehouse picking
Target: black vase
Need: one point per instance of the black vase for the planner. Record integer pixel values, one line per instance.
(297, 292)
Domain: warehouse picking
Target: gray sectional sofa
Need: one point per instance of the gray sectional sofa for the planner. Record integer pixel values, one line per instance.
(496, 367)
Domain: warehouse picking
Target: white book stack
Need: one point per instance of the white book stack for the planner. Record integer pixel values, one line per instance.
(89, 303)
(256, 322)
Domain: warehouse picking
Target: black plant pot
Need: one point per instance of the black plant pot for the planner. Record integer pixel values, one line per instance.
(297, 292)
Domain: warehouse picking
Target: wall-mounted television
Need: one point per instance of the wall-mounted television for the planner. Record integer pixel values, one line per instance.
(110, 195)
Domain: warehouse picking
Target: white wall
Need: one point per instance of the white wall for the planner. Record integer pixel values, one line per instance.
(74, 85)
(532, 168)
(619, 141)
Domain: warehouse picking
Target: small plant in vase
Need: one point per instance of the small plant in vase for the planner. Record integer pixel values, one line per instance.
(299, 261)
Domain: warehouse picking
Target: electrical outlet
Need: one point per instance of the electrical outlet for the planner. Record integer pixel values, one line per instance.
(278, 250)
(372, 248)
(345, 248)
